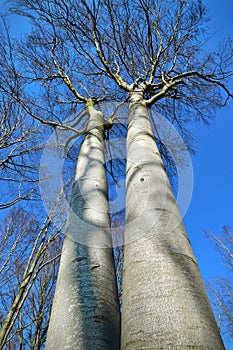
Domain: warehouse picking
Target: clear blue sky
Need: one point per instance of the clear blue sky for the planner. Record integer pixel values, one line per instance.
(211, 206)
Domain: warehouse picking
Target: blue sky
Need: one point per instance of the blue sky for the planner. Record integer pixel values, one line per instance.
(211, 205)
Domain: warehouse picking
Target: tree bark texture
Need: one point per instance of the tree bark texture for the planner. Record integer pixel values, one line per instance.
(85, 312)
(165, 305)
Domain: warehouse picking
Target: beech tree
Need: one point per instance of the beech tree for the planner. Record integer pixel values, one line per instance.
(99, 317)
(85, 310)
(150, 54)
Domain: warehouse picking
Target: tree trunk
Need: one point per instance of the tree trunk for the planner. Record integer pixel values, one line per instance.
(85, 312)
(165, 305)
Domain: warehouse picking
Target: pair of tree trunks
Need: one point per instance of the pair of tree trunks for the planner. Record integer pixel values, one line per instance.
(165, 305)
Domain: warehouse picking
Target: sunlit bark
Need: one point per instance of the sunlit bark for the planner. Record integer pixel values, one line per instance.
(85, 313)
(165, 305)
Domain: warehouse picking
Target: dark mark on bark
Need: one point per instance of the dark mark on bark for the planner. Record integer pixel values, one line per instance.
(94, 267)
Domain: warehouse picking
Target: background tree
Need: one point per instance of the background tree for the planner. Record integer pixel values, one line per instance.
(221, 288)
(29, 264)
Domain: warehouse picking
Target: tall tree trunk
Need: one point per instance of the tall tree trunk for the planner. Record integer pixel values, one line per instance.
(85, 312)
(165, 305)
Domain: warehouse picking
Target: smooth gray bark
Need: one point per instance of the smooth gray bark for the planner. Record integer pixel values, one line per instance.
(165, 305)
(85, 312)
